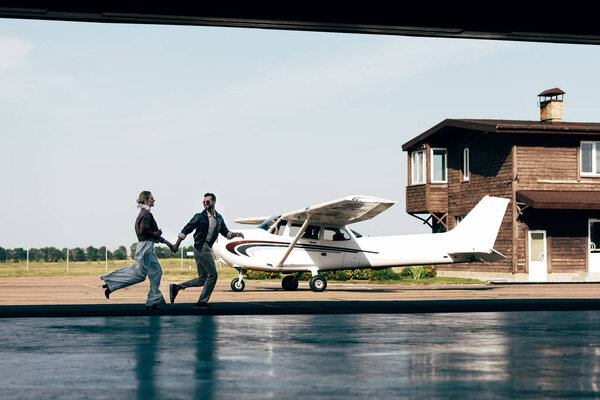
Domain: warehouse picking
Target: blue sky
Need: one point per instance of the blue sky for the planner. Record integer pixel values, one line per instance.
(270, 121)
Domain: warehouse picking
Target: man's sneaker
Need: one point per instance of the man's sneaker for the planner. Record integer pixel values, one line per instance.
(202, 304)
(173, 290)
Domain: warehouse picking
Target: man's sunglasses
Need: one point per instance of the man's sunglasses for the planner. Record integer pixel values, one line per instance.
(206, 201)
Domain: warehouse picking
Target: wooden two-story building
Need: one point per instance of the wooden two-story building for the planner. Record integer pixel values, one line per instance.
(549, 169)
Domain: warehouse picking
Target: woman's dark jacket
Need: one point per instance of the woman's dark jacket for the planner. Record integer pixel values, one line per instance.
(146, 227)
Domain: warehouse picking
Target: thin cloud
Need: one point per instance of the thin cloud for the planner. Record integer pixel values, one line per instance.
(291, 88)
(14, 53)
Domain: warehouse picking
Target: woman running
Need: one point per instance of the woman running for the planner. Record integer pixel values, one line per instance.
(146, 263)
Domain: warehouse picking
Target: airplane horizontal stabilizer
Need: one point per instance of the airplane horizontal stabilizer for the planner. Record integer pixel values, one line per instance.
(490, 256)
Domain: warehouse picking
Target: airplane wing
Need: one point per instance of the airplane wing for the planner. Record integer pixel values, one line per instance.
(251, 220)
(345, 211)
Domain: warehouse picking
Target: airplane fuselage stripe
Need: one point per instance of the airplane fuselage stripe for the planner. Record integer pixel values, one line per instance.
(241, 248)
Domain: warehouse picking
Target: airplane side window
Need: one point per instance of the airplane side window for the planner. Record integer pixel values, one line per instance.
(335, 234)
(311, 232)
(294, 228)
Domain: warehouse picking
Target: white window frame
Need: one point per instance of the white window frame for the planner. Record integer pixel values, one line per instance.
(595, 167)
(413, 167)
(466, 164)
(433, 167)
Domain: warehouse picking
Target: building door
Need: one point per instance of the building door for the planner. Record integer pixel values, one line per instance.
(594, 246)
(538, 269)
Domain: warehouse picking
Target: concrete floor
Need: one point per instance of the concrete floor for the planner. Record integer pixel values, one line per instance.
(351, 341)
(87, 290)
(423, 356)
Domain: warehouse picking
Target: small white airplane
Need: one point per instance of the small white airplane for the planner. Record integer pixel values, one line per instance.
(316, 239)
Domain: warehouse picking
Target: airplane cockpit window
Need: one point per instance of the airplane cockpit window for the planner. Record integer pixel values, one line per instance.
(356, 234)
(266, 224)
(311, 232)
(335, 234)
(280, 228)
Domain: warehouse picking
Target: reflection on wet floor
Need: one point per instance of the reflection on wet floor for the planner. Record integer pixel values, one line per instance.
(454, 355)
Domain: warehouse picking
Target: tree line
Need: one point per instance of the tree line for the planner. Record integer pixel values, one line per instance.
(90, 253)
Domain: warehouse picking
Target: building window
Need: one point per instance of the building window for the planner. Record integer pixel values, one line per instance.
(417, 159)
(439, 166)
(459, 219)
(590, 158)
(465, 164)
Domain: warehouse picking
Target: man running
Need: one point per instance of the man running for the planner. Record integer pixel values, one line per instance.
(208, 224)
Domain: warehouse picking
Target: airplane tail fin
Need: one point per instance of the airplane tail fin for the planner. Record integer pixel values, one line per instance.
(476, 234)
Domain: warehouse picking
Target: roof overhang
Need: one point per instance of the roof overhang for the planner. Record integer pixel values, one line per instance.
(560, 200)
(565, 22)
(508, 126)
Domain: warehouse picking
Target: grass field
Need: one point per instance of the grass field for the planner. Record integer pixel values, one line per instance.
(172, 268)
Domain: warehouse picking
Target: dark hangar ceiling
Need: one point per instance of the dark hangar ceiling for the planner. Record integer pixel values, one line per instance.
(564, 22)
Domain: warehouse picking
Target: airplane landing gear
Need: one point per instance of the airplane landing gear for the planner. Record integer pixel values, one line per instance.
(318, 283)
(290, 282)
(237, 284)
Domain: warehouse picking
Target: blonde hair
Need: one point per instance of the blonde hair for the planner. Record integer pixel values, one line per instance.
(145, 195)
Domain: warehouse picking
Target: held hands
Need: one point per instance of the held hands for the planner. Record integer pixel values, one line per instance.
(170, 245)
(239, 234)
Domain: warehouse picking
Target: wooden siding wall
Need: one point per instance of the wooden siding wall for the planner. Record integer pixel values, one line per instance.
(430, 198)
(552, 163)
(415, 199)
(490, 173)
(438, 198)
(567, 238)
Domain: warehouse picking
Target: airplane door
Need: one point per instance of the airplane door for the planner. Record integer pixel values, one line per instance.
(307, 251)
(538, 269)
(336, 248)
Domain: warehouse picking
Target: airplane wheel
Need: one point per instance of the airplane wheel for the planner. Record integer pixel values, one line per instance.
(318, 283)
(289, 283)
(237, 285)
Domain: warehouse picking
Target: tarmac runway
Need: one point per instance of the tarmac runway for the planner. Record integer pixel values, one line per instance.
(83, 297)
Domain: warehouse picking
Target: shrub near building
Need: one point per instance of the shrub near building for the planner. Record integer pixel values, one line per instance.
(385, 274)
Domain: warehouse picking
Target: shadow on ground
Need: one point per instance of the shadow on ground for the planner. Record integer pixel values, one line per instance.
(302, 307)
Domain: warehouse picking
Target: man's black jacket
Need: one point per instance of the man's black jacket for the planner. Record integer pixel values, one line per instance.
(200, 223)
